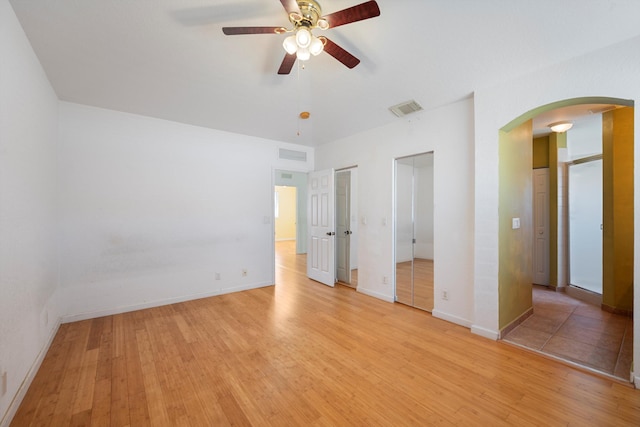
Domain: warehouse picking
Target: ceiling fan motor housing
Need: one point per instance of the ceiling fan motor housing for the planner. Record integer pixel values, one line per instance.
(310, 13)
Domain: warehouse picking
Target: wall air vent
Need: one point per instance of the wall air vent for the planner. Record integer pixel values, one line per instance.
(298, 156)
(286, 175)
(405, 108)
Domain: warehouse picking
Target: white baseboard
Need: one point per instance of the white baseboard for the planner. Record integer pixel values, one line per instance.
(26, 383)
(483, 332)
(383, 297)
(636, 381)
(157, 303)
(451, 318)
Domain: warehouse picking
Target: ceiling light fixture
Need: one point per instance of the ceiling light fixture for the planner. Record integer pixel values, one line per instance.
(560, 127)
(303, 43)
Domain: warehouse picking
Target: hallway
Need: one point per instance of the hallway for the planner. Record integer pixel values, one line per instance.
(578, 332)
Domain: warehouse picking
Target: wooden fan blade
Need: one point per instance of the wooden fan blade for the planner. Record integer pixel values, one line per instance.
(340, 54)
(287, 64)
(290, 6)
(360, 12)
(234, 31)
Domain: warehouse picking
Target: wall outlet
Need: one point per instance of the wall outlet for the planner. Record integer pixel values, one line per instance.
(244, 272)
(445, 295)
(3, 383)
(217, 276)
(385, 280)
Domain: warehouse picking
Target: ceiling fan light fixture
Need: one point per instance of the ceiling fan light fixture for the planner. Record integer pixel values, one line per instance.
(560, 127)
(303, 54)
(316, 47)
(303, 38)
(290, 45)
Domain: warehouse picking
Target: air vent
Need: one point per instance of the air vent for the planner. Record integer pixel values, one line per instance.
(405, 108)
(286, 175)
(299, 156)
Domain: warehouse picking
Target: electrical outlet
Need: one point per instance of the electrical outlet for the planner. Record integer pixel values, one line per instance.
(244, 272)
(445, 295)
(217, 276)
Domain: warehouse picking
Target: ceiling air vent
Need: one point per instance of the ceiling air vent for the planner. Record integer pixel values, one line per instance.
(405, 108)
(299, 156)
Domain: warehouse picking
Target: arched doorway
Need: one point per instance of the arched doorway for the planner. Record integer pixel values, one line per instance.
(577, 330)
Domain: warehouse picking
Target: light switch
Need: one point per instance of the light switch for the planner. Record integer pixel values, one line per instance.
(515, 223)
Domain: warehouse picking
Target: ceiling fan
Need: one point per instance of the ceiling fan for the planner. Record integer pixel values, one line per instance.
(306, 16)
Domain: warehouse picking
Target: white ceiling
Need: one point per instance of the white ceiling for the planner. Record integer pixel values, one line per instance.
(169, 58)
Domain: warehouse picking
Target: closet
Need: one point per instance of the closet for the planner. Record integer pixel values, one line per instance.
(414, 231)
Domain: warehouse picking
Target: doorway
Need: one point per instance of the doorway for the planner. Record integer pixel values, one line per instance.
(414, 231)
(290, 218)
(347, 227)
(586, 189)
(285, 213)
(585, 224)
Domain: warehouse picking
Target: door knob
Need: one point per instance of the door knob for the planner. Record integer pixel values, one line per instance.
(330, 233)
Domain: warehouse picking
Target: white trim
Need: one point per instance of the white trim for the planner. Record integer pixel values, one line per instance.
(635, 380)
(374, 294)
(483, 332)
(109, 312)
(451, 318)
(26, 383)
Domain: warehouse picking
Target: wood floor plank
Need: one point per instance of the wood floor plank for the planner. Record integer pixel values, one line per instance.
(301, 353)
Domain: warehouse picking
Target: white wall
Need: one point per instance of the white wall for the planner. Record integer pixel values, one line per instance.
(448, 131)
(611, 72)
(28, 268)
(585, 138)
(152, 210)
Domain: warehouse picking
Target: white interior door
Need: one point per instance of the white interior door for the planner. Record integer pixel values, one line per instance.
(585, 225)
(343, 223)
(321, 249)
(541, 226)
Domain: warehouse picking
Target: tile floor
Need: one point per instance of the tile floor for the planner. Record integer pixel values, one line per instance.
(578, 332)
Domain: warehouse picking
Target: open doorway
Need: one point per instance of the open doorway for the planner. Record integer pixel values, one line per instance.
(290, 218)
(583, 314)
(347, 227)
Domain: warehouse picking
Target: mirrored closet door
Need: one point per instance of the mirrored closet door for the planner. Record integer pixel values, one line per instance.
(414, 253)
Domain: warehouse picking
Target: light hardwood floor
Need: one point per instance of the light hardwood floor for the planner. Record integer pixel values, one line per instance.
(301, 353)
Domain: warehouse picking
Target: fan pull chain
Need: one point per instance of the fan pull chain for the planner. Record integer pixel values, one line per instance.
(298, 91)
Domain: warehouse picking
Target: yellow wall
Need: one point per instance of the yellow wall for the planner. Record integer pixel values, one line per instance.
(515, 273)
(286, 221)
(541, 152)
(617, 238)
